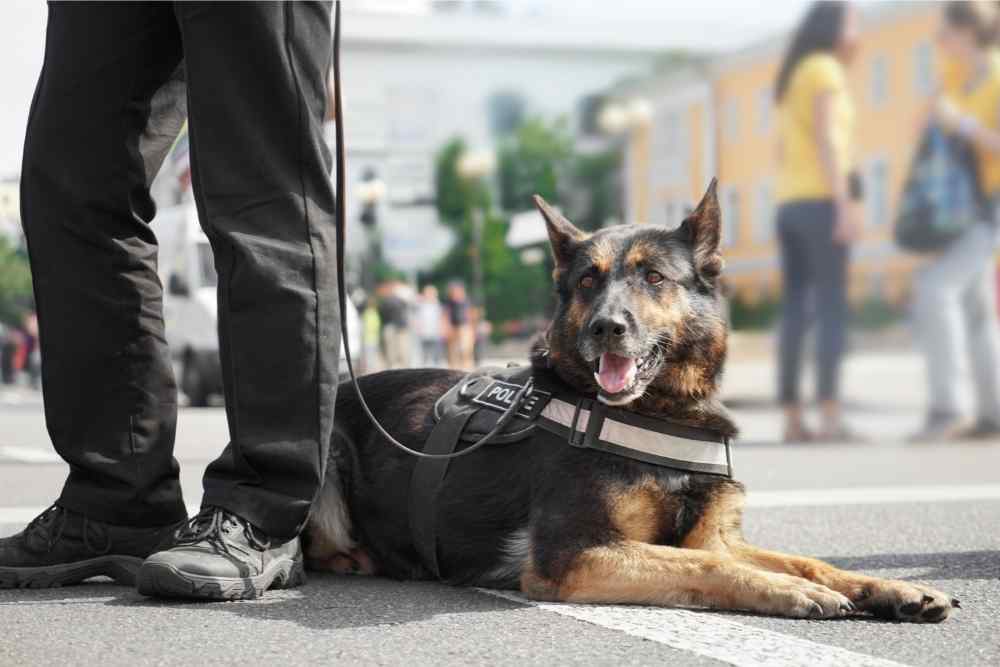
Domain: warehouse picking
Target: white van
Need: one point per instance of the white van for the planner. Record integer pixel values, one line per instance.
(187, 272)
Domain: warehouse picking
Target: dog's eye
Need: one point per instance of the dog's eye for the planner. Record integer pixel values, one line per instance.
(654, 278)
(587, 282)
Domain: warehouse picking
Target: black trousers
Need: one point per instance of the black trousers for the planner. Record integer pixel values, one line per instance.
(814, 271)
(117, 82)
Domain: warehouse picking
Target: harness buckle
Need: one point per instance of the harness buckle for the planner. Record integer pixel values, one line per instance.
(578, 438)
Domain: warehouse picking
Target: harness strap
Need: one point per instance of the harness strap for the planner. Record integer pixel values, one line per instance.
(426, 480)
(590, 424)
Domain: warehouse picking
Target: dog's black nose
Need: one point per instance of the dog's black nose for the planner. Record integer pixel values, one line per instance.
(608, 326)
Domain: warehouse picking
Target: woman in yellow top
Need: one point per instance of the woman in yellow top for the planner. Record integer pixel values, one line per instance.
(816, 218)
(955, 293)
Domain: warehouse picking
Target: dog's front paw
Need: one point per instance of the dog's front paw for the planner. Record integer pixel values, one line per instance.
(795, 597)
(904, 601)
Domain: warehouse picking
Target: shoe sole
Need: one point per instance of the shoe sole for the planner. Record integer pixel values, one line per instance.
(122, 569)
(166, 581)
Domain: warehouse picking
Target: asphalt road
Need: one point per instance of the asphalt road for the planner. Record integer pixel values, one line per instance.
(929, 514)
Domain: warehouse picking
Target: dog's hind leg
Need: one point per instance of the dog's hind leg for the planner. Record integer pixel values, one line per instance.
(639, 573)
(328, 537)
(718, 530)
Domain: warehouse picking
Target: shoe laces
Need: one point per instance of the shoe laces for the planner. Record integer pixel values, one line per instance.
(211, 525)
(50, 524)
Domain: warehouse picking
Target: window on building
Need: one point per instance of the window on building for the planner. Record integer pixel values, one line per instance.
(506, 110)
(879, 82)
(669, 214)
(877, 193)
(764, 104)
(669, 148)
(731, 121)
(923, 69)
(730, 216)
(763, 214)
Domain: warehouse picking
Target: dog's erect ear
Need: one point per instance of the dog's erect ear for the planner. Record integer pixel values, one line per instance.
(563, 236)
(703, 228)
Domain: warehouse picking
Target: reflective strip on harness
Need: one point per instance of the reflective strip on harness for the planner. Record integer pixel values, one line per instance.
(592, 425)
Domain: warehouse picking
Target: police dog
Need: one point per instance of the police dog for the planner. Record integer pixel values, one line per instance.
(639, 323)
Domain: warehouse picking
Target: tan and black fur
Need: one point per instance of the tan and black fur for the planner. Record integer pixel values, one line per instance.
(561, 523)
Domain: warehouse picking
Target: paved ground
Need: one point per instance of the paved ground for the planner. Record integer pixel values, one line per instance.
(930, 514)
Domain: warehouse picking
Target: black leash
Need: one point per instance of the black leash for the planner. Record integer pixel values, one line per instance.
(341, 221)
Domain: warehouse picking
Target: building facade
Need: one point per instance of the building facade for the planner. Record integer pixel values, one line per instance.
(10, 210)
(720, 121)
(413, 81)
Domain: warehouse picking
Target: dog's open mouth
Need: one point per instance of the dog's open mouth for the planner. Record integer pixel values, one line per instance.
(618, 376)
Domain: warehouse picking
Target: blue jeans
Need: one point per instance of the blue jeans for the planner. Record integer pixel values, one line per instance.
(814, 269)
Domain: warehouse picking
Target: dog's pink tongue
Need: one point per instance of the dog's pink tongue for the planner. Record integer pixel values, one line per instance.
(615, 373)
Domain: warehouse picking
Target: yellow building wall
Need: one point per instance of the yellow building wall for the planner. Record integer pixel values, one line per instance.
(746, 158)
(697, 122)
(691, 188)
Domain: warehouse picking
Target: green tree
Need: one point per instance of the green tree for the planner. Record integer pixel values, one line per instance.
(596, 177)
(456, 197)
(15, 283)
(510, 289)
(531, 161)
(537, 157)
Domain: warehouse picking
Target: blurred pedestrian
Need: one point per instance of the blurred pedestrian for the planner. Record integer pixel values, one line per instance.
(817, 218)
(32, 361)
(394, 312)
(483, 328)
(371, 333)
(954, 294)
(461, 336)
(430, 327)
(8, 349)
(118, 82)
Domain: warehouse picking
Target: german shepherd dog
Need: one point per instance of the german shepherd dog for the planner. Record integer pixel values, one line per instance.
(639, 323)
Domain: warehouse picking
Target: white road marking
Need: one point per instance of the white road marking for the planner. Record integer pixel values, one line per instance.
(708, 635)
(63, 601)
(28, 455)
(873, 495)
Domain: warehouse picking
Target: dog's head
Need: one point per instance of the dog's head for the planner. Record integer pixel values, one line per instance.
(639, 314)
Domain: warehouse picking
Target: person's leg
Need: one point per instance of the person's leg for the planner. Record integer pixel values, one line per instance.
(257, 98)
(468, 346)
(980, 318)
(938, 313)
(796, 279)
(392, 334)
(107, 108)
(452, 349)
(829, 260)
(95, 139)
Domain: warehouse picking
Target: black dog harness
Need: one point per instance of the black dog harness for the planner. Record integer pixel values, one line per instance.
(473, 407)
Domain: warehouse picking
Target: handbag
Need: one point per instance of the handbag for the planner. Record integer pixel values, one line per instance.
(942, 196)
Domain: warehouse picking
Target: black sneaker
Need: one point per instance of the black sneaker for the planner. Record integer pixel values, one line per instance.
(61, 547)
(220, 556)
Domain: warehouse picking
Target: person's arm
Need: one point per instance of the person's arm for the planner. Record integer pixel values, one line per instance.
(968, 126)
(846, 227)
(445, 321)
